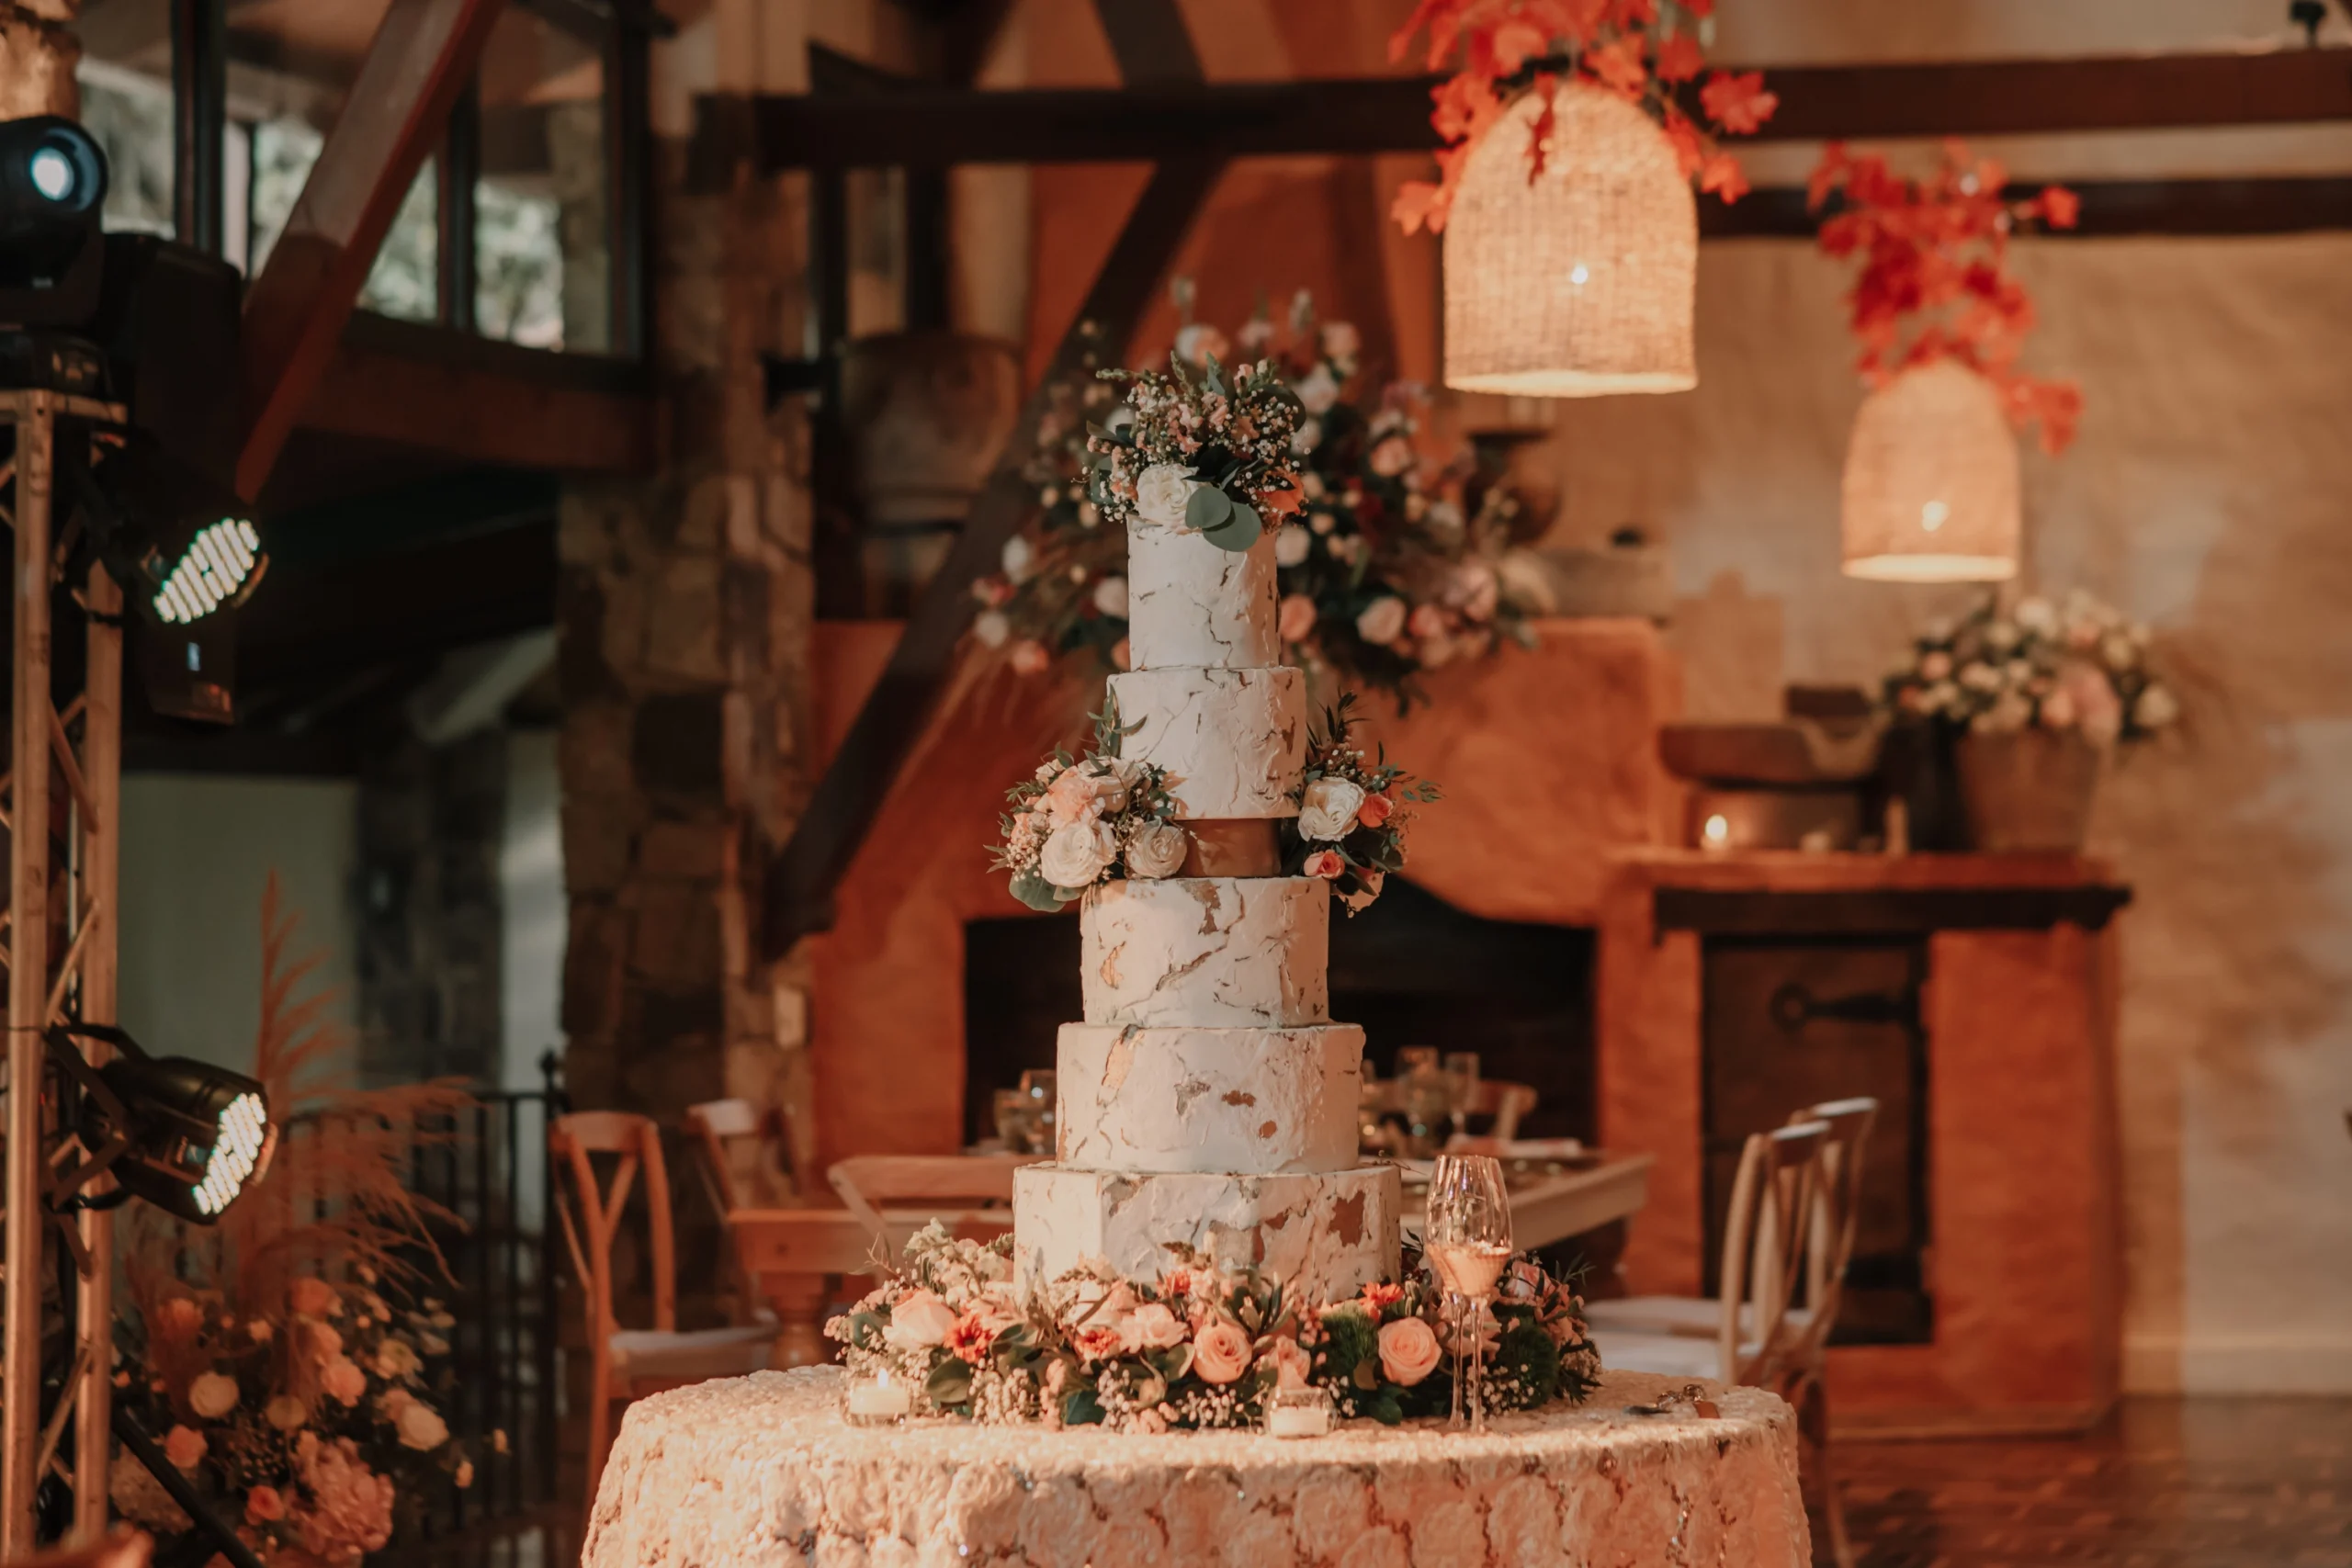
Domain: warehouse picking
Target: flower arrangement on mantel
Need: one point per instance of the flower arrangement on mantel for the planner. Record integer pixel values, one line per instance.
(1389, 559)
(1200, 1348)
(1649, 52)
(286, 1356)
(2078, 665)
(1935, 281)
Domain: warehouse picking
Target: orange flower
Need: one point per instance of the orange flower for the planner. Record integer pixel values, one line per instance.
(1325, 863)
(1281, 502)
(265, 1504)
(1374, 810)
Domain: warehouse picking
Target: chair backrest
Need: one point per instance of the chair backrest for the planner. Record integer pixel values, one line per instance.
(870, 1184)
(1836, 1209)
(635, 1142)
(125, 1548)
(1766, 1237)
(740, 1155)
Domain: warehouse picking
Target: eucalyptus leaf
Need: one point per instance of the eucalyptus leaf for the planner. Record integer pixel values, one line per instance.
(1037, 893)
(1240, 530)
(1081, 1408)
(949, 1382)
(1207, 510)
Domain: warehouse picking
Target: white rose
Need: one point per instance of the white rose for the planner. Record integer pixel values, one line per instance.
(1328, 808)
(1307, 436)
(421, 1426)
(2037, 617)
(1074, 856)
(1317, 390)
(1111, 596)
(1016, 558)
(918, 1320)
(1162, 492)
(1382, 621)
(212, 1395)
(1158, 851)
(1291, 543)
(1340, 340)
(992, 628)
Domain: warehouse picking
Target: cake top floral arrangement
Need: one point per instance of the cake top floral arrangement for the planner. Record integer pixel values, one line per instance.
(1647, 50)
(1349, 829)
(1212, 455)
(1397, 559)
(1077, 822)
(1202, 1347)
(2076, 665)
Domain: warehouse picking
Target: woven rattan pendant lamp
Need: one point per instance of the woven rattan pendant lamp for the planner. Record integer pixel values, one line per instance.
(1578, 284)
(1931, 492)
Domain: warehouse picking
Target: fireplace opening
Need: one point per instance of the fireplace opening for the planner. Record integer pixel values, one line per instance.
(1412, 970)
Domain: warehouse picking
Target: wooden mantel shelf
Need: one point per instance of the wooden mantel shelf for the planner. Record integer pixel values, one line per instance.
(1755, 893)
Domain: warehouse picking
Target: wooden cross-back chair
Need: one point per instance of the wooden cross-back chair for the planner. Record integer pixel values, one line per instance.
(1672, 1334)
(628, 1364)
(895, 1195)
(125, 1548)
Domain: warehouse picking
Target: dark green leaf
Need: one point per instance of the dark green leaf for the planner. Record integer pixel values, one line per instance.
(949, 1382)
(1238, 531)
(1037, 893)
(1081, 1408)
(1208, 509)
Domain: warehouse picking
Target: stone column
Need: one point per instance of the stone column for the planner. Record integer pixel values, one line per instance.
(684, 623)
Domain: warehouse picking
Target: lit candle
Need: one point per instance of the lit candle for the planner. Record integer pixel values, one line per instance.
(879, 1399)
(1298, 1413)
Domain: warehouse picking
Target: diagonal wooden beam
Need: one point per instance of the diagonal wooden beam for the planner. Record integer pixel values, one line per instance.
(1149, 42)
(801, 880)
(424, 53)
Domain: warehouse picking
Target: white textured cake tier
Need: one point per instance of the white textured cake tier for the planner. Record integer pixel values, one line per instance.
(1190, 605)
(1259, 1100)
(1210, 952)
(1233, 740)
(1323, 1235)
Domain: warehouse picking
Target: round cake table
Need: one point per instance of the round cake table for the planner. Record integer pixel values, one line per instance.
(763, 1470)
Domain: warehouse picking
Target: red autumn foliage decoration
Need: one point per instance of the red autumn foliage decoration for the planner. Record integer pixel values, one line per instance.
(1647, 50)
(1935, 282)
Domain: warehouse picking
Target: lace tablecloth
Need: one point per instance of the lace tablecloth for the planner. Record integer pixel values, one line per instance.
(763, 1470)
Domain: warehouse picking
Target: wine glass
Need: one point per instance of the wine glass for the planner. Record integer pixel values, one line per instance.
(1421, 1088)
(1045, 1100)
(1466, 1238)
(1461, 1088)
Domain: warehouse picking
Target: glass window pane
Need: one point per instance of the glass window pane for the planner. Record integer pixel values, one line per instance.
(126, 79)
(542, 255)
(292, 62)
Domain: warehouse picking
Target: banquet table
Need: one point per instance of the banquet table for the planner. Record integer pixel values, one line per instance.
(749, 1472)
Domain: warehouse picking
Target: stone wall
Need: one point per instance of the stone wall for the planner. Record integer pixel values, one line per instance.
(682, 621)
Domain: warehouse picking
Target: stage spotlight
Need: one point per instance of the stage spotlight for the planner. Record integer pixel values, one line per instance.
(187, 1136)
(181, 544)
(52, 184)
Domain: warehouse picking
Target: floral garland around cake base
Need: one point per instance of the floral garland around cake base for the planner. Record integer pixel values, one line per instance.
(1200, 1348)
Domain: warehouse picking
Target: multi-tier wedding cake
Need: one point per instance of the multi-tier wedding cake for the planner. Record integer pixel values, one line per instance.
(1208, 1101)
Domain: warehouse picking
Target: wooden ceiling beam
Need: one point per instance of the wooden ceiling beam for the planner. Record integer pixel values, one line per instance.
(424, 53)
(2111, 208)
(930, 126)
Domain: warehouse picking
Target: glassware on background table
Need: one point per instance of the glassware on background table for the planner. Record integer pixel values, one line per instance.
(1045, 1103)
(1466, 1238)
(1421, 1092)
(1016, 1120)
(1461, 1087)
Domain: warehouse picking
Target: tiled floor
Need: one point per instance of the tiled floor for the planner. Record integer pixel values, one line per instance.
(2165, 1483)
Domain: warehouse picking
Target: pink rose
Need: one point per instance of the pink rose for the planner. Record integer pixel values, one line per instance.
(919, 1321)
(314, 1297)
(1030, 657)
(1391, 456)
(343, 1381)
(1296, 618)
(1220, 1353)
(1382, 622)
(1151, 1326)
(325, 1343)
(1374, 810)
(184, 1446)
(1122, 655)
(1408, 1351)
(181, 1315)
(1291, 1363)
(1325, 863)
(1427, 620)
(264, 1503)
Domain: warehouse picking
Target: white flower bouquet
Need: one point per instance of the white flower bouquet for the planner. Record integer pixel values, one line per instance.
(2076, 665)
(1077, 822)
